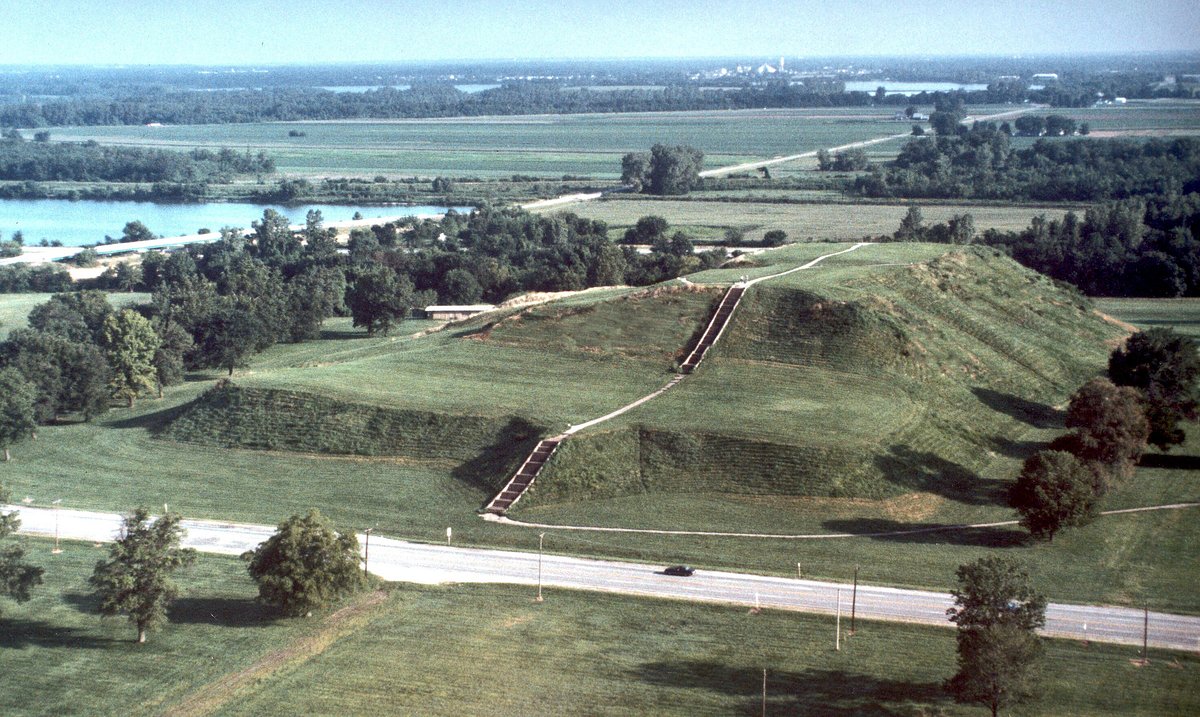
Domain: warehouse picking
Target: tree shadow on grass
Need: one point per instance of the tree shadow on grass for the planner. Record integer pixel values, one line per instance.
(154, 421)
(814, 692)
(1170, 462)
(933, 533)
(1035, 414)
(343, 334)
(223, 612)
(19, 634)
(1005, 446)
(930, 473)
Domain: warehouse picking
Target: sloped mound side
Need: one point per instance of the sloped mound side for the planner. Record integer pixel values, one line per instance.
(229, 416)
(647, 460)
(655, 324)
(794, 326)
(979, 347)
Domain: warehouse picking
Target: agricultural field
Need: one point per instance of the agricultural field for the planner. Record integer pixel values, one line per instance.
(1182, 315)
(1140, 118)
(492, 147)
(423, 649)
(835, 220)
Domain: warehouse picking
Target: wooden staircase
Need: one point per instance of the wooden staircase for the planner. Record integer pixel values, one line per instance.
(524, 477)
(715, 327)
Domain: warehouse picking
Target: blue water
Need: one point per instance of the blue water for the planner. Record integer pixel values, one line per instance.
(469, 89)
(87, 222)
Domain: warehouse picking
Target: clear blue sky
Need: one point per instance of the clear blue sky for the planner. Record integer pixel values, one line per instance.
(240, 32)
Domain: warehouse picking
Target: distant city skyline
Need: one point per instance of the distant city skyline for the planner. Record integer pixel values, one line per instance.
(249, 32)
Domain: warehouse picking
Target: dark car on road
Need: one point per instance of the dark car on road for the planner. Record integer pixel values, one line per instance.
(682, 571)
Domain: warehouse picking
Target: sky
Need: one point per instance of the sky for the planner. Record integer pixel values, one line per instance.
(259, 32)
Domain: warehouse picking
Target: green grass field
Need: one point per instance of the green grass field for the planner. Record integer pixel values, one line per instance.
(708, 220)
(545, 145)
(450, 650)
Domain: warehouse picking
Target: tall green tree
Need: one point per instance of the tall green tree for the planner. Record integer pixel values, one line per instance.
(130, 344)
(1055, 490)
(378, 299)
(1165, 367)
(635, 170)
(1110, 423)
(136, 578)
(997, 612)
(305, 565)
(674, 170)
(18, 419)
(314, 295)
(16, 576)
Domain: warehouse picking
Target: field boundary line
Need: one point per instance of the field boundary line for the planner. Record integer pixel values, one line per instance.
(811, 536)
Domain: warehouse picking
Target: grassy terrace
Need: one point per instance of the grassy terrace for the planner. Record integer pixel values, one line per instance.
(443, 650)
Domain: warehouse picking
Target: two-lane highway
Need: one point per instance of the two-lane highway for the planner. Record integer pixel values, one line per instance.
(416, 562)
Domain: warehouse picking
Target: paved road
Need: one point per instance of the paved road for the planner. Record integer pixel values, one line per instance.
(414, 562)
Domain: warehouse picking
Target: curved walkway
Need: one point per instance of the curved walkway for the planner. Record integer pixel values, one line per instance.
(810, 536)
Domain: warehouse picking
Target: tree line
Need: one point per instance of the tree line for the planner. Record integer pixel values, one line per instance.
(979, 163)
(92, 162)
(1147, 246)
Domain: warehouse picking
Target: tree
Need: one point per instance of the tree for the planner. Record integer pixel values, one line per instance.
(673, 170)
(305, 565)
(996, 667)
(18, 419)
(379, 298)
(78, 316)
(1055, 490)
(775, 237)
(918, 131)
(647, 230)
(130, 344)
(961, 229)
(136, 231)
(136, 578)
(275, 243)
(635, 170)
(824, 160)
(1165, 367)
(460, 286)
(313, 296)
(912, 226)
(1110, 422)
(996, 591)
(946, 123)
(16, 576)
(997, 613)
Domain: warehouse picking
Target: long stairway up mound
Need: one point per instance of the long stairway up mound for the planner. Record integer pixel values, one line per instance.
(715, 327)
(524, 477)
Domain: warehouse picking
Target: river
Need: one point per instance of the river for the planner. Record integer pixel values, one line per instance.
(77, 223)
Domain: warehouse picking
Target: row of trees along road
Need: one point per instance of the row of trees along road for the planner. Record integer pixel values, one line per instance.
(304, 566)
(1153, 389)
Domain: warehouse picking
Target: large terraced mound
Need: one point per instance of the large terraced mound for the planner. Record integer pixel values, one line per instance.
(854, 381)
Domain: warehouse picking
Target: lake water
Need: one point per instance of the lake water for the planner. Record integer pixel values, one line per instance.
(910, 88)
(87, 222)
(469, 89)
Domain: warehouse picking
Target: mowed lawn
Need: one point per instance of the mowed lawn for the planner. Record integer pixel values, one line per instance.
(452, 650)
(15, 308)
(708, 220)
(544, 145)
(486, 650)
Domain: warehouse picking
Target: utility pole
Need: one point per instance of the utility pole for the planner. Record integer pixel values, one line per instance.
(541, 536)
(837, 635)
(367, 549)
(56, 549)
(854, 600)
(764, 695)
(1146, 634)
